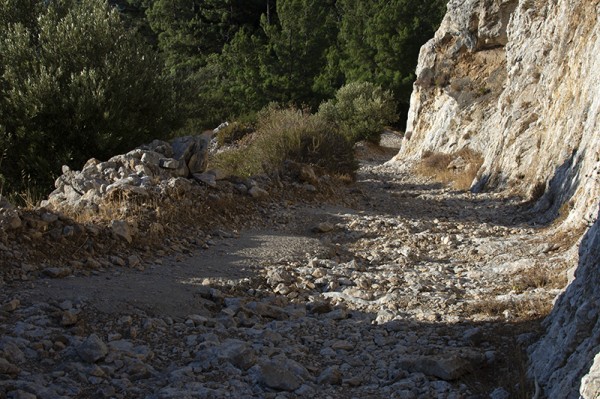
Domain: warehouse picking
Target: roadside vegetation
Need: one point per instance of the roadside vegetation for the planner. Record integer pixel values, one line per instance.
(92, 78)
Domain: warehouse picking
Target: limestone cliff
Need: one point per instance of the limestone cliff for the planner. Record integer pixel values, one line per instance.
(519, 82)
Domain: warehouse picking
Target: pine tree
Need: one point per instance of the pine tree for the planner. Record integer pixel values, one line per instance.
(379, 42)
(296, 49)
(189, 31)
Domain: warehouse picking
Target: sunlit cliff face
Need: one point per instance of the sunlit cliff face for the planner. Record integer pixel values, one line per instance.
(517, 82)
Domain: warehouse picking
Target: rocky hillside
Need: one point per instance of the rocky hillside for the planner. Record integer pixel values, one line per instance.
(151, 275)
(517, 81)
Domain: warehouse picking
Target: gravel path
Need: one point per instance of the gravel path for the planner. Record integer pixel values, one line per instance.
(403, 289)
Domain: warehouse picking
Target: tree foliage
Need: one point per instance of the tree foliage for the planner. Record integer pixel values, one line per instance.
(81, 78)
(241, 55)
(296, 49)
(191, 30)
(73, 84)
(380, 41)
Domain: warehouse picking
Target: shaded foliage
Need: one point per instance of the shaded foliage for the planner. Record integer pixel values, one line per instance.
(80, 78)
(65, 97)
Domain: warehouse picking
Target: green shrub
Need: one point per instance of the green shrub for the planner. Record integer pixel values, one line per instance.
(360, 111)
(74, 84)
(291, 134)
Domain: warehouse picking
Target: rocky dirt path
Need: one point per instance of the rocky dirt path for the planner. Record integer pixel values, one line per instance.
(403, 289)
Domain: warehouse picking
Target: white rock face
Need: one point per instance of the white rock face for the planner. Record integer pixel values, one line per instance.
(518, 81)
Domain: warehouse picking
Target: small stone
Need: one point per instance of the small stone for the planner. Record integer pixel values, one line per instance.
(13, 221)
(68, 231)
(134, 261)
(447, 368)
(323, 227)
(121, 230)
(319, 307)
(116, 260)
(343, 344)
(68, 318)
(307, 174)
(11, 351)
(92, 349)
(331, 376)
(57, 272)
(11, 306)
(8, 368)
(106, 391)
(257, 192)
(66, 305)
(276, 276)
(49, 217)
(206, 178)
(499, 393)
(355, 382)
(210, 293)
(241, 188)
(238, 353)
(168, 163)
(92, 263)
(275, 375)
(337, 314)
(265, 310)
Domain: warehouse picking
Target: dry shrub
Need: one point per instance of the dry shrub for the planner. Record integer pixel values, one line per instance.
(233, 132)
(539, 277)
(436, 161)
(510, 366)
(458, 168)
(523, 309)
(292, 134)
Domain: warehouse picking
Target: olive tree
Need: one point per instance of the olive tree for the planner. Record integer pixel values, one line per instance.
(74, 84)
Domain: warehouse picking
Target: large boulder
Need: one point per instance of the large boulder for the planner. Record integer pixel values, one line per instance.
(191, 151)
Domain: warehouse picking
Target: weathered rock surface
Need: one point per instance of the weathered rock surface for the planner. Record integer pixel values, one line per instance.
(499, 78)
(570, 349)
(518, 82)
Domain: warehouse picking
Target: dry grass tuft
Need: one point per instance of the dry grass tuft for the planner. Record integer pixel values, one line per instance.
(436, 161)
(510, 367)
(345, 178)
(519, 309)
(458, 168)
(289, 134)
(539, 277)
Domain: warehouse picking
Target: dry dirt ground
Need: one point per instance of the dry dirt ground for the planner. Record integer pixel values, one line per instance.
(401, 288)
